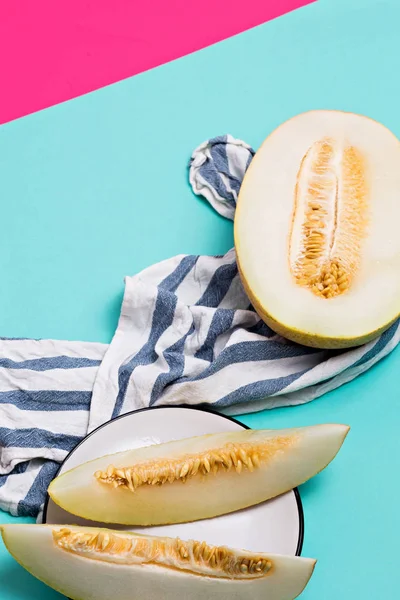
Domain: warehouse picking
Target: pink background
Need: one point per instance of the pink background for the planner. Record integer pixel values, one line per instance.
(54, 50)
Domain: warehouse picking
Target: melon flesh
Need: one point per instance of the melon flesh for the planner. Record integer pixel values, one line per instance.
(98, 564)
(316, 229)
(196, 478)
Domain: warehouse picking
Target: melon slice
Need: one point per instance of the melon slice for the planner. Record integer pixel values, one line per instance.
(98, 564)
(316, 229)
(196, 478)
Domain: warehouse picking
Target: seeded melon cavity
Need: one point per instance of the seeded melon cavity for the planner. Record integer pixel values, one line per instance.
(99, 564)
(316, 229)
(196, 478)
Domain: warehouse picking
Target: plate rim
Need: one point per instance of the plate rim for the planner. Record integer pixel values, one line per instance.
(296, 492)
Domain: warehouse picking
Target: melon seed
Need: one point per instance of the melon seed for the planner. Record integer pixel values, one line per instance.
(332, 191)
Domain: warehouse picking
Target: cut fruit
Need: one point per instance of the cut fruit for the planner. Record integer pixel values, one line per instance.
(316, 229)
(196, 478)
(87, 563)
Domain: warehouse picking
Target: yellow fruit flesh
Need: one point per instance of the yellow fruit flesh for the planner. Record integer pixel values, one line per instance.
(331, 197)
(235, 457)
(196, 557)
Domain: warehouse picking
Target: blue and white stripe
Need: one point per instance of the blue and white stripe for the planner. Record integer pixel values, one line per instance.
(45, 394)
(186, 335)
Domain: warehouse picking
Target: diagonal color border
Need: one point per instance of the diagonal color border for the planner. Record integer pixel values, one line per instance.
(56, 51)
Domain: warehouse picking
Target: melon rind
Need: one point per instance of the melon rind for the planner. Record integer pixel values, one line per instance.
(82, 578)
(263, 232)
(287, 458)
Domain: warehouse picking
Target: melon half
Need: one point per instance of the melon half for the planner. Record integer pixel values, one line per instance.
(100, 564)
(196, 478)
(316, 229)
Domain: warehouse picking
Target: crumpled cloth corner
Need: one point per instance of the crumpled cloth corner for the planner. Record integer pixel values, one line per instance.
(217, 168)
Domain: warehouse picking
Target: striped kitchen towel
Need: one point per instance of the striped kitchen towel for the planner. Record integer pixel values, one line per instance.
(186, 334)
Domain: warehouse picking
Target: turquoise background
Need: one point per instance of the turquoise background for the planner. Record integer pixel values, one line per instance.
(96, 189)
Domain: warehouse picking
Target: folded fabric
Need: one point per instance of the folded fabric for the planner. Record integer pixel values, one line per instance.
(186, 335)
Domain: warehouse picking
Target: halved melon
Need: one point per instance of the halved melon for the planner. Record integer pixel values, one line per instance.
(99, 564)
(196, 478)
(316, 229)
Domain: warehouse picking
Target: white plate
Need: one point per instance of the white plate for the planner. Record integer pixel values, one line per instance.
(275, 526)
